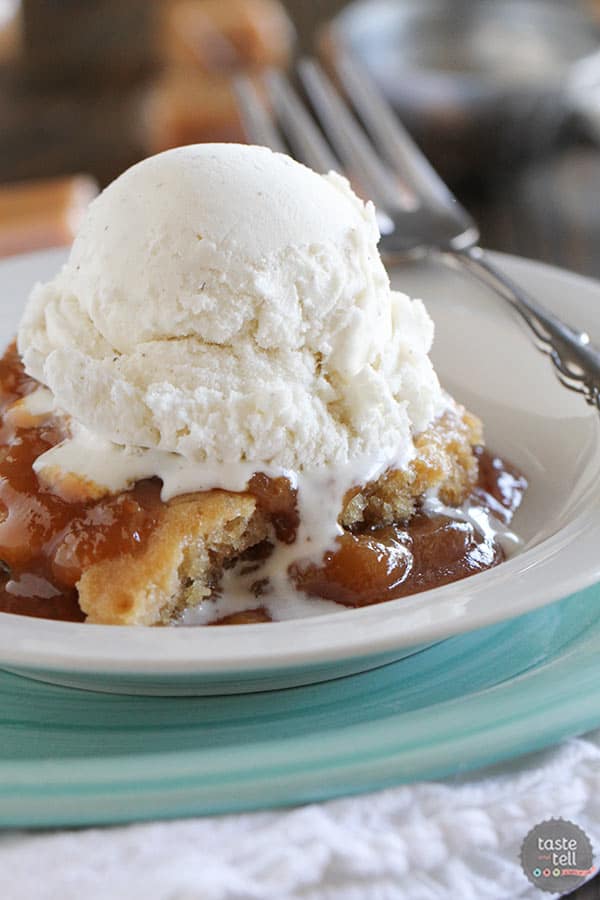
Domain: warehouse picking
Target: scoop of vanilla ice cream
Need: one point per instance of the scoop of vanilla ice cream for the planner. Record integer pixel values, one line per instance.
(228, 304)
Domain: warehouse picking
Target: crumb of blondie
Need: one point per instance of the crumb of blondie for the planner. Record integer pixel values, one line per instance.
(181, 565)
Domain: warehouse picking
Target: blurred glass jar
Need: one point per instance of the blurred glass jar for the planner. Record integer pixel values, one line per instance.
(482, 84)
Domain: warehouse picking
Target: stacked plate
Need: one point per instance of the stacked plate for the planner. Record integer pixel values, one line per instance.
(461, 676)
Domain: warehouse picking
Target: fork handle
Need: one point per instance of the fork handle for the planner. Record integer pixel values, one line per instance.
(575, 358)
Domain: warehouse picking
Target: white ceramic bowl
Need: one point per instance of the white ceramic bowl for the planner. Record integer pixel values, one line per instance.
(487, 360)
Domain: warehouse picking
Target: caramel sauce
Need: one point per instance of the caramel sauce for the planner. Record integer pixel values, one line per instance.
(47, 541)
(387, 563)
(277, 499)
(246, 617)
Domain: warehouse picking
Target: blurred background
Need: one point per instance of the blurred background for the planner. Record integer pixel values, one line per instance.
(503, 95)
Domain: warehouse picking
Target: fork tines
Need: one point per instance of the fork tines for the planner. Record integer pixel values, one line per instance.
(349, 148)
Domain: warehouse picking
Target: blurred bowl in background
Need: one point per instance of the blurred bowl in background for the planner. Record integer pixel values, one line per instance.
(480, 83)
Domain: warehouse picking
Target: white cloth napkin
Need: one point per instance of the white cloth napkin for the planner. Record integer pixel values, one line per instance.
(458, 838)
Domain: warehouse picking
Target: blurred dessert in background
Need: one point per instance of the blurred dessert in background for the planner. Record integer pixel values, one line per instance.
(42, 213)
(218, 37)
(95, 86)
(201, 43)
(185, 107)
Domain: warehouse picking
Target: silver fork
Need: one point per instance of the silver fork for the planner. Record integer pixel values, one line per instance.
(416, 210)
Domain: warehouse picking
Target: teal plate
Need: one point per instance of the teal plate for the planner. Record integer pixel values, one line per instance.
(71, 757)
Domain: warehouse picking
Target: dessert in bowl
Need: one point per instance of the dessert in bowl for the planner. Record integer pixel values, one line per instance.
(219, 412)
